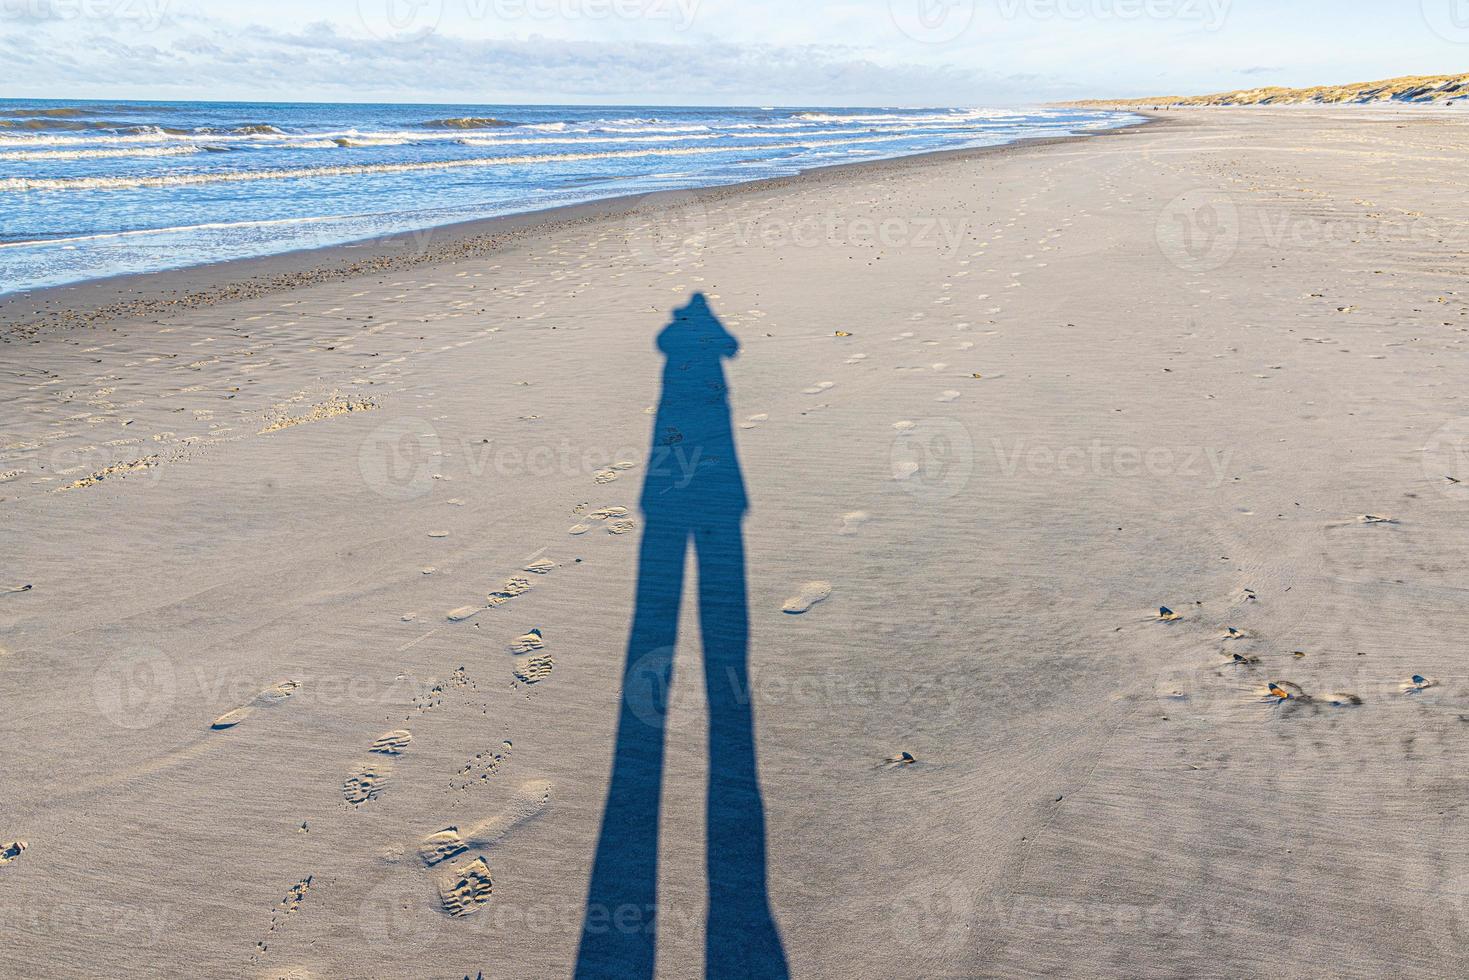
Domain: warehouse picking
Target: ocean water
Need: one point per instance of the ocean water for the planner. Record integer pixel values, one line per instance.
(97, 189)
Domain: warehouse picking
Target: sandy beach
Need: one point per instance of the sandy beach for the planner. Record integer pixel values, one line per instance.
(1076, 527)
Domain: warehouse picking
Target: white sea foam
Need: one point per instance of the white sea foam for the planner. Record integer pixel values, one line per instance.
(141, 151)
(128, 181)
(71, 240)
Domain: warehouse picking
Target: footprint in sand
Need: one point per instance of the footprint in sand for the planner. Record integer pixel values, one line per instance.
(852, 522)
(529, 643)
(366, 782)
(265, 699)
(819, 387)
(392, 743)
(948, 396)
(905, 426)
(541, 566)
(811, 593)
(529, 802)
(513, 587)
(753, 421)
(468, 888)
(533, 670)
(615, 515)
(12, 851)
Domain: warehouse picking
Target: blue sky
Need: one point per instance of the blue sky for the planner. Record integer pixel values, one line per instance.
(744, 52)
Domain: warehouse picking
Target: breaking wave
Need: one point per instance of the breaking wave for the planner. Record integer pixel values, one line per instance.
(468, 122)
(14, 184)
(142, 151)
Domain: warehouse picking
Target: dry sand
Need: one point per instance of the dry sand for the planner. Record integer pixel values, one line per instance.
(331, 575)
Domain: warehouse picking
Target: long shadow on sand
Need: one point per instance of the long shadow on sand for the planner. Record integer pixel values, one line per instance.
(693, 493)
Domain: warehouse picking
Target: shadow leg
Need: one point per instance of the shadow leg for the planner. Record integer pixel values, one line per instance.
(743, 940)
(619, 932)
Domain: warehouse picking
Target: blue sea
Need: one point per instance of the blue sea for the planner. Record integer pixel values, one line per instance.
(101, 188)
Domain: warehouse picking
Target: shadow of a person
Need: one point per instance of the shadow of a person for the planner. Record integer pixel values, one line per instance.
(693, 493)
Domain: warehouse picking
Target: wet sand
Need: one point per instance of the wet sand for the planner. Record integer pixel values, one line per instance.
(1086, 576)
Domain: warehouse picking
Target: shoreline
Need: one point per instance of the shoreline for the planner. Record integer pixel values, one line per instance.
(133, 296)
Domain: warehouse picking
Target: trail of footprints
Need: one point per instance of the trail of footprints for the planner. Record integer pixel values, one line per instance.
(463, 877)
(287, 907)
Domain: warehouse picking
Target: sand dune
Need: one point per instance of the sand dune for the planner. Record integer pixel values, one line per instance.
(1412, 89)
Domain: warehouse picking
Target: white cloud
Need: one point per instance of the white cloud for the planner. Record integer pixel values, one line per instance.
(711, 51)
